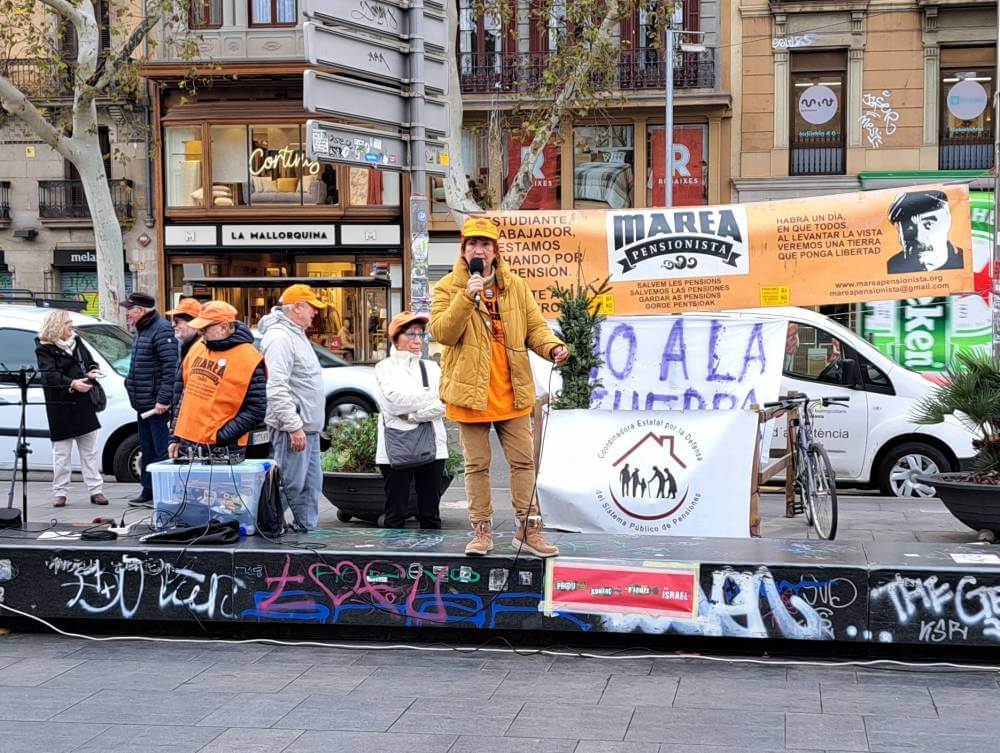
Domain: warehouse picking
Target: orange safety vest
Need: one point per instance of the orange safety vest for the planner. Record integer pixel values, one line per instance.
(215, 385)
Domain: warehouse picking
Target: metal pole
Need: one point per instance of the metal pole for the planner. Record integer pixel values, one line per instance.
(668, 126)
(995, 257)
(419, 207)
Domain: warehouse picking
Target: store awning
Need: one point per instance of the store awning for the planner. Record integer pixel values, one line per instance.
(284, 282)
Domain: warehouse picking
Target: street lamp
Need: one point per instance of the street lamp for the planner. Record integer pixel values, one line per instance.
(668, 126)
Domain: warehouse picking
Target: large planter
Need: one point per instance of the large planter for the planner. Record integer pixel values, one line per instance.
(362, 495)
(975, 505)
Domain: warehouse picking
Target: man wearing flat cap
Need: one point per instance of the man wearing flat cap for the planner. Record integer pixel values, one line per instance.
(923, 220)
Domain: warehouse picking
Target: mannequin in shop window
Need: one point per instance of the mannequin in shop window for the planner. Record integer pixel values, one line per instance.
(329, 178)
(346, 335)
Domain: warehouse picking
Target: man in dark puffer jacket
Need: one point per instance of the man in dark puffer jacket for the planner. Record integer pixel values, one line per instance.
(150, 383)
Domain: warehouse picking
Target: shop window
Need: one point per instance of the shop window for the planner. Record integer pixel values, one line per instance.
(205, 14)
(184, 159)
(603, 166)
(545, 188)
(279, 171)
(230, 165)
(272, 13)
(818, 86)
(374, 188)
(966, 117)
(690, 166)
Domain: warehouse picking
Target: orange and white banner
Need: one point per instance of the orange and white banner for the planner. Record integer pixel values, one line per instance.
(864, 246)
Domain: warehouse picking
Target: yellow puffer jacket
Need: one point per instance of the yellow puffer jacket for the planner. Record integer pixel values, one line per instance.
(466, 335)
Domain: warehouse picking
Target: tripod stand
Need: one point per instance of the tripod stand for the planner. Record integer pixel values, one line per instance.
(22, 378)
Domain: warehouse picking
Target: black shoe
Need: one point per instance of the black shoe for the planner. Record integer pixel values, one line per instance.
(143, 500)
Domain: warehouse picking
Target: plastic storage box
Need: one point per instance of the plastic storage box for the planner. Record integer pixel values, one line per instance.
(192, 493)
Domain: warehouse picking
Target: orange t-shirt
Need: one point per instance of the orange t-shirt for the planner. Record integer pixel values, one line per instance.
(500, 398)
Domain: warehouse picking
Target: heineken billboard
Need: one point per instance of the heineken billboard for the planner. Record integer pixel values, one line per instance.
(924, 334)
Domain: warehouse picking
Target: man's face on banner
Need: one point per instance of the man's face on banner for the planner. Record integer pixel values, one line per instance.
(925, 237)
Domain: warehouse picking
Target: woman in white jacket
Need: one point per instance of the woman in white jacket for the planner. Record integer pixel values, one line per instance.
(404, 402)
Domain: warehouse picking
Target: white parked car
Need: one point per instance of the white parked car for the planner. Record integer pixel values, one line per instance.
(350, 391)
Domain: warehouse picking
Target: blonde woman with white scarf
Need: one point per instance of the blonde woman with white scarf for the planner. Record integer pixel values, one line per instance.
(67, 370)
(404, 403)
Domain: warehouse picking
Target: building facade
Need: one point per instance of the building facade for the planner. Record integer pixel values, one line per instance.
(236, 196)
(46, 229)
(830, 91)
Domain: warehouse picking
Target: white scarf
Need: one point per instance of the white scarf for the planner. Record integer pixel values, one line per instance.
(67, 345)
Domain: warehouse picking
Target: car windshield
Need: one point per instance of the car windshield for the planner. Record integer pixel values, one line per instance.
(113, 343)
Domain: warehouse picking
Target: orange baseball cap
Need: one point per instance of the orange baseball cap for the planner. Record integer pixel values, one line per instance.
(301, 293)
(402, 320)
(186, 307)
(214, 312)
(480, 227)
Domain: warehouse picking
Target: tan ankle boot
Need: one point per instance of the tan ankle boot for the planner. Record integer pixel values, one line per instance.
(529, 537)
(482, 539)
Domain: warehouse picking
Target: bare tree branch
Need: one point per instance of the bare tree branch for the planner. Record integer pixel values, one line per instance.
(17, 104)
(521, 184)
(106, 69)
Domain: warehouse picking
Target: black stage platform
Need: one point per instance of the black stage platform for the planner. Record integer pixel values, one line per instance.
(758, 588)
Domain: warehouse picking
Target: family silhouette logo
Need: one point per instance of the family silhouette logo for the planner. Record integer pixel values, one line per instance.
(652, 466)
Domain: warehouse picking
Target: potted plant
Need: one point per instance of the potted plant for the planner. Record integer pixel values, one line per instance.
(352, 482)
(970, 393)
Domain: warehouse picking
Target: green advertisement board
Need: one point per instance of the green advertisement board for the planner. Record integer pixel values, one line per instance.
(924, 334)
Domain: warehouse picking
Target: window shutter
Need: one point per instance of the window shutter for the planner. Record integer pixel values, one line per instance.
(68, 47)
(692, 14)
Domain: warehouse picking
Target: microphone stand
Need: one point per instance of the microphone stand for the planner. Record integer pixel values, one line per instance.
(22, 378)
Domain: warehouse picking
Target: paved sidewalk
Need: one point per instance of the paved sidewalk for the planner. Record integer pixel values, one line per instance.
(65, 695)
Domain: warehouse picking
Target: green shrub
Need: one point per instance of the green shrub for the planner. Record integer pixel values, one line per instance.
(353, 445)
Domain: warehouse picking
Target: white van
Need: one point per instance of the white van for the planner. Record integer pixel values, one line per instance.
(872, 440)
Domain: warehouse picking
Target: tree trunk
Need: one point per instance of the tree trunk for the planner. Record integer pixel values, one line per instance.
(108, 244)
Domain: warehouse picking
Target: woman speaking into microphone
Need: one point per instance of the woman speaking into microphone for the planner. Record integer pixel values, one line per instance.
(487, 320)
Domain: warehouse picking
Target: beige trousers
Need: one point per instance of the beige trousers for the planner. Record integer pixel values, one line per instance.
(62, 453)
(518, 448)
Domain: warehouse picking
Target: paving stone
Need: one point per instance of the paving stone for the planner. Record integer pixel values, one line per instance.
(567, 664)
(31, 704)
(319, 712)
(458, 716)
(750, 730)
(330, 681)
(134, 738)
(841, 732)
(253, 710)
(369, 742)
(966, 703)
(235, 680)
(178, 707)
(431, 659)
(940, 679)
(877, 699)
(547, 687)
(769, 674)
(608, 746)
(518, 663)
(99, 674)
(671, 748)
(452, 682)
(28, 672)
(573, 721)
(46, 737)
(623, 690)
(19, 645)
(474, 744)
(745, 694)
(308, 656)
(251, 740)
(892, 734)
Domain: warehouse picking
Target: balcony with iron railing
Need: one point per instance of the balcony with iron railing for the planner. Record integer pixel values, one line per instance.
(39, 79)
(636, 69)
(4, 203)
(64, 200)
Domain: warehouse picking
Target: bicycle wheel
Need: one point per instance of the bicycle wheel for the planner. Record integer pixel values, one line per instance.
(803, 486)
(824, 493)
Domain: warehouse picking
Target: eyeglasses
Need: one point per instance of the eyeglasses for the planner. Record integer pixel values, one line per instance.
(412, 335)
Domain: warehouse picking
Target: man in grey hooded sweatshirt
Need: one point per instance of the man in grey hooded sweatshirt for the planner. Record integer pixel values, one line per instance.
(296, 402)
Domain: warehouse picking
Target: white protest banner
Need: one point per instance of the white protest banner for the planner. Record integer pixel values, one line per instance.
(668, 473)
(690, 362)
(685, 362)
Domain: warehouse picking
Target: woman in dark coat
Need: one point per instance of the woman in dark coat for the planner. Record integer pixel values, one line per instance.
(67, 371)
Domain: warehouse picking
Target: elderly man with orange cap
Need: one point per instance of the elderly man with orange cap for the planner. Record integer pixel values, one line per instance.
(186, 335)
(487, 320)
(296, 400)
(224, 383)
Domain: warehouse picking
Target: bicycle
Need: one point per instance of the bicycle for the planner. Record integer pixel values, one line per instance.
(814, 478)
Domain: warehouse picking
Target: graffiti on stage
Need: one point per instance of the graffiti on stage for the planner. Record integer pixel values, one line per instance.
(407, 595)
(936, 610)
(119, 586)
(751, 604)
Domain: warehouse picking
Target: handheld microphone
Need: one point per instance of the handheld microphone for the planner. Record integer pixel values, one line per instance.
(476, 269)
